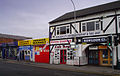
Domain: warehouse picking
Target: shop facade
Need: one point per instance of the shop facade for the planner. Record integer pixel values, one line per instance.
(9, 50)
(41, 50)
(25, 50)
(86, 40)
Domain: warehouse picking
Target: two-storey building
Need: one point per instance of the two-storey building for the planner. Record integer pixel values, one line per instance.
(89, 32)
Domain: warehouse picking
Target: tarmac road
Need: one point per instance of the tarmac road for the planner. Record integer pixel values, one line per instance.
(9, 69)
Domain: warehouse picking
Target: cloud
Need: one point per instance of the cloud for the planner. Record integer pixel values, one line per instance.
(31, 17)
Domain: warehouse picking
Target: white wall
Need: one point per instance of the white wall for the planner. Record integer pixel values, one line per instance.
(119, 52)
(106, 21)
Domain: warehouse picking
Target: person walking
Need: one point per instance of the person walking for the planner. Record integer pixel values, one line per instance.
(18, 56)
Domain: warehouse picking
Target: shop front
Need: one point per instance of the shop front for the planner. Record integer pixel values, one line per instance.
(41, 50)
(99, 55)
(25, 50)
(97, 51)
(25, 53)
(61, 52)
(9, 50)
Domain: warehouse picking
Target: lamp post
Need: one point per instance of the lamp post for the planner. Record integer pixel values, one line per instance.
(74, 10)
(74, 18)
(74, 25)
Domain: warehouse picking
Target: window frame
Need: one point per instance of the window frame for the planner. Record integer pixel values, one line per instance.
(58, 29)
(95, 25)
(119, 21)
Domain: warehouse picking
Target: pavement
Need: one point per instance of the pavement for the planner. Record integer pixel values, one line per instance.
(88, 69)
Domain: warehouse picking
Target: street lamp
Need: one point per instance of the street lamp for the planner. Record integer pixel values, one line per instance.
(74, 18)
(74, 25)
(74, 10)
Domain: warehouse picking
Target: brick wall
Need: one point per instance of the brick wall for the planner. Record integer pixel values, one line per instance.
(7, 40)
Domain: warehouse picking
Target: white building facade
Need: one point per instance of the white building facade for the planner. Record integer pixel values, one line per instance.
(89, 33)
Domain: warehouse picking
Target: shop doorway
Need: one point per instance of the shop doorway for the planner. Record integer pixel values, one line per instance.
(99, 55)
(106, 57)
(22, 55)
(93, 57)
(62, 56)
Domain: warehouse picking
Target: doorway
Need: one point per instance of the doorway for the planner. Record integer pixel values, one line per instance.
(62, 56)
(93, 57)
(106, 57)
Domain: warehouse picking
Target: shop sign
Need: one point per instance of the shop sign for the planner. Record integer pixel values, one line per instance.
(102, 47)
(40, 41)
(24, 43)
(93, 47)
(25, 48)
(94, 40)
(62, 46)
(61, 41)
(78, 35)
(84, 43)
(72, 44)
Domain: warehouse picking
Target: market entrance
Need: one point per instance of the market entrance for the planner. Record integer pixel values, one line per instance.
(62, 56)
(99, 55)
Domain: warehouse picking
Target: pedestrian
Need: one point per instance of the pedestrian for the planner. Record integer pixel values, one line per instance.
(18, 56)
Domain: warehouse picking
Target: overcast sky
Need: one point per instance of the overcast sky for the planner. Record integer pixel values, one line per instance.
(30, 17)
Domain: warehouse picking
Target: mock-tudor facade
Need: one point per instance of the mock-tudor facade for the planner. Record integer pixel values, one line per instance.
(89, 33)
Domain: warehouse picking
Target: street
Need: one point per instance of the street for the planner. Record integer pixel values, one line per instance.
(9, 69)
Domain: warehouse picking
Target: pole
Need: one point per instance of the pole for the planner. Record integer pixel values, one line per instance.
(112, 52)
(74, 10)
(74, 23)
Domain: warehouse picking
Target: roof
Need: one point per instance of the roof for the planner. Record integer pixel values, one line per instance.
(88, 11)
(14, 37)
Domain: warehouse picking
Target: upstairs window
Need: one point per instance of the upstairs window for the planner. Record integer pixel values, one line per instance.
(58, 30)
(97, 25)
(83, 26)
(68, 29)
(63, 30)
(119, 22)
(91, 26)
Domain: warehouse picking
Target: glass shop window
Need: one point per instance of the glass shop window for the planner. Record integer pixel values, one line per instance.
(25, 52)
(28, 52)
(70, 55)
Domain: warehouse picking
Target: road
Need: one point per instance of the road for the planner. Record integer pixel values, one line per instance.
(10, 69)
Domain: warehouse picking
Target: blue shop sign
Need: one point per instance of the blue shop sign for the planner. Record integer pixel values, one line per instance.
(25, 47)
(13, 44)
(95, 40)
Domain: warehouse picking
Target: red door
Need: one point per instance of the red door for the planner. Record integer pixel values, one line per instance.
(62, 56)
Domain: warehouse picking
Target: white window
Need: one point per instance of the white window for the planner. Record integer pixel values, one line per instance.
(91, 26)
(58, 30)
(119, 22)
(83, 26)
(68, 29)
(63, 30)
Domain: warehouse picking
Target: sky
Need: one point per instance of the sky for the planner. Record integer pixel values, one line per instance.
(31, 18)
